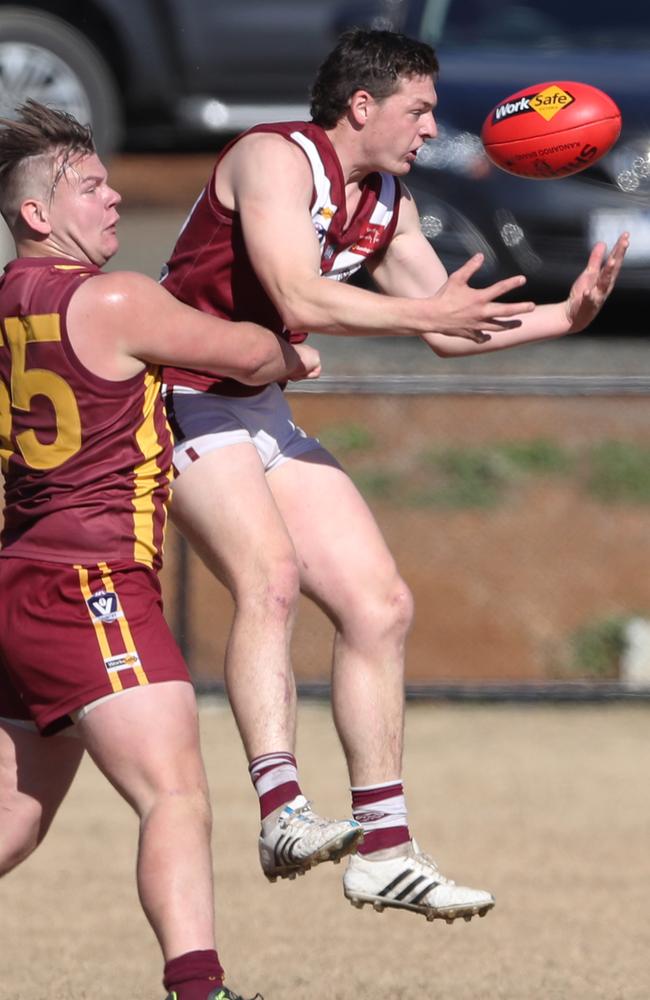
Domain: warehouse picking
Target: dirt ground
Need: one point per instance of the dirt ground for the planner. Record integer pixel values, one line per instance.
(498, 592)
(547, 807)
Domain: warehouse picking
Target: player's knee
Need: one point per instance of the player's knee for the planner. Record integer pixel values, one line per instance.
(273, 594)
(22, 832)
(176, 803)
(380, 615)
(398, 608)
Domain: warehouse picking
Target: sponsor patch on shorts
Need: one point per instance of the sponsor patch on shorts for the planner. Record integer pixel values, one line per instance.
(122, 661)
(104, 606)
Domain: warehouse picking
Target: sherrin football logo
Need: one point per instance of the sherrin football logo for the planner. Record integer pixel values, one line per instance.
(547, 103)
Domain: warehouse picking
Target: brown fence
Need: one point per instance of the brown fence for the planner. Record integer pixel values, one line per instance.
(517, 509)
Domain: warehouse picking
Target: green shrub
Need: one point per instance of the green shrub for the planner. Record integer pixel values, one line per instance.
(480, 477)
(539, 456)
(462, 477)
(377, 484)
(347, 438)
(619, 472)
(596, 648)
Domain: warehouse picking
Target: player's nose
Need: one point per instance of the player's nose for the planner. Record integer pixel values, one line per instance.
(429, 128)
(114, 198)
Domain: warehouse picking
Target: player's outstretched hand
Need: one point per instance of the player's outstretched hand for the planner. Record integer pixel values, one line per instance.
(474, 313)
(591, 289)
(310, 366)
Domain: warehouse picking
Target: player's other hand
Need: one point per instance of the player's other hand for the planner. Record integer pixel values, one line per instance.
(475, 313)
(591, 289)
(309, 365)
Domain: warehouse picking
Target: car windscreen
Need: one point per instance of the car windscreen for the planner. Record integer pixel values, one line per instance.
(548, 24)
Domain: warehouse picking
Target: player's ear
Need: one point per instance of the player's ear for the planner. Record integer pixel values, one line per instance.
(35, 216)
(360, 106)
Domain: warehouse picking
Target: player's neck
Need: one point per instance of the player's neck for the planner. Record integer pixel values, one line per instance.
(37, 248)
(349, 149)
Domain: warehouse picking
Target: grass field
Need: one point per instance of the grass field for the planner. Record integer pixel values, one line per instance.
(546, 806)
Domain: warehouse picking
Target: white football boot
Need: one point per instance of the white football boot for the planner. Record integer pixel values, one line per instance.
(301, 839)
(412, 881)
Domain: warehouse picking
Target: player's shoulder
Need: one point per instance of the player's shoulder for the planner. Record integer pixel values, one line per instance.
(113, 286)
(268, 150)
(114, 293)
(407, 206)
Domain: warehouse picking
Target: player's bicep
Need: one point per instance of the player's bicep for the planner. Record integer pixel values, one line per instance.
(409, 267)
(274, 211)
(173, 333)
(282, 246)
(133, 320)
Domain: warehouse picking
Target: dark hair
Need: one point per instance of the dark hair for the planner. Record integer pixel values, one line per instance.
(365, 59)
(36, 131)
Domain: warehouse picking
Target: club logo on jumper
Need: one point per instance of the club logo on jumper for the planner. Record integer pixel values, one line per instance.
(369, 241)
(122, 661)
(321, 221)
(547, 103)
(321, 232)
(104, 606)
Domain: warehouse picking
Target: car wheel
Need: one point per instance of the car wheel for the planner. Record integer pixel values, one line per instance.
(44, 58)
(7, 248)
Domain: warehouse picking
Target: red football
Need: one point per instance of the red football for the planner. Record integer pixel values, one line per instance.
(551, 129)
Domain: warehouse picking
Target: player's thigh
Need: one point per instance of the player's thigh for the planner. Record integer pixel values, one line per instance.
(223, 505)
(146, 742)
(35, 775)
(342, 553)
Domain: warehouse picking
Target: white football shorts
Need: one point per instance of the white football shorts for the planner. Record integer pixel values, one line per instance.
(203, 421)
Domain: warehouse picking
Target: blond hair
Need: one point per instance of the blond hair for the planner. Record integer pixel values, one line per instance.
(35, 149)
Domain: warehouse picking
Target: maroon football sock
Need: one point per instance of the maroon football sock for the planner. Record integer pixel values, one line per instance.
(193, 975)
(276, 780)
(381, 810)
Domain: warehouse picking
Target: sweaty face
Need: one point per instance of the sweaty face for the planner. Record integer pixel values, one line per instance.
(83, 210)
(398, 125)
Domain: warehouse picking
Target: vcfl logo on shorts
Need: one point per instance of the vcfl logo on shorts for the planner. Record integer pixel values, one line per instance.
(547, 103)
(104, 606)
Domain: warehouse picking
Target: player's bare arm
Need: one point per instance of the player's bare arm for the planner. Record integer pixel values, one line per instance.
(586, 298)
(274, 206)
(412, 267)
(119, 321)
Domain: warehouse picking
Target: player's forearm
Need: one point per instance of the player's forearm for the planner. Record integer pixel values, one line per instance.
(268, 358)
(325, 306)
(546, 322)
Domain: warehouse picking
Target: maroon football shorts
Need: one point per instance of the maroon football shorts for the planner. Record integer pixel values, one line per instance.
(72, 634)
